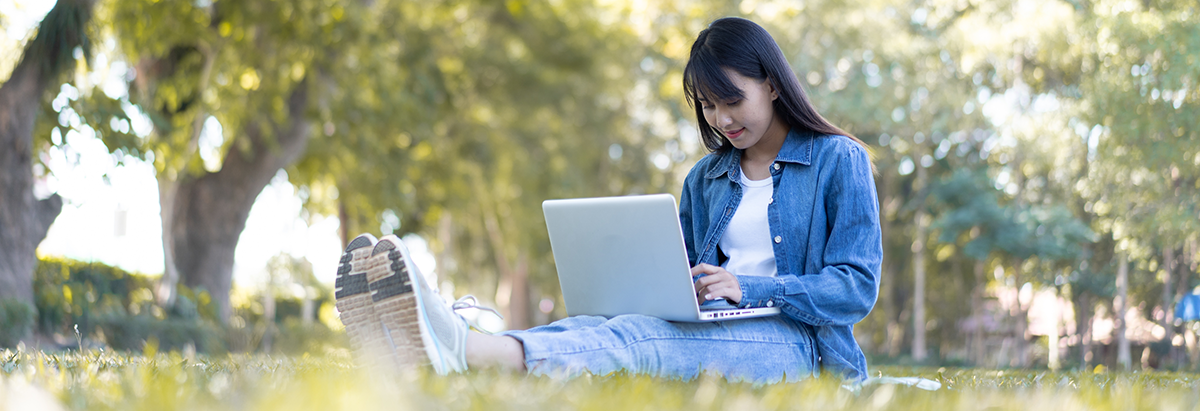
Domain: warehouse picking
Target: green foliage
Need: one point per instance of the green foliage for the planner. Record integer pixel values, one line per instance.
(1060, 134)
(478, 112)
(109, 306)
(64, 29)
(71, 292)
(294, 337)
(971, 209)
(133, 332)
(85, 300)
(289, 333)
(16, 320)
(1130, 73)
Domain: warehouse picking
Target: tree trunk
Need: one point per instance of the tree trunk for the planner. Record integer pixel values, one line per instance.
(167, 190)
(1052, 343)
(887, 283)
(24, 220)
(268, 302)
(1120, 307)
(1192, 262)
(512, 290)
(1185, 270)
(978, 353)
(168, 183)
(519, 300)
(1190, 265)
(918, 250)
(1021, 324)
(1168, 302)
(308, 310)
(1189, 342)
(344, 227)
(1083, 326)
(210, 212)
(1021, 319)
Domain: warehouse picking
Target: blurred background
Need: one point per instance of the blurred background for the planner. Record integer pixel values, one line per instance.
(182, 174)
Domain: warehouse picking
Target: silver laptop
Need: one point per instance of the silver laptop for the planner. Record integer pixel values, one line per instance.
(625, 255)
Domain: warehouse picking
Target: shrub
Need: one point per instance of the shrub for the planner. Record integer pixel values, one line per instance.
(118, 308)
(294, 338)
(70, 292)
(130, 333)
(16, 319)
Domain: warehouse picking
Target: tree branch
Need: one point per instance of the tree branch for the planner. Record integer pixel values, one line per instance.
(45, 213)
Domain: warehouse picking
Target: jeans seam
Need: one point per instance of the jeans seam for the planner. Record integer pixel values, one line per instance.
(626, 345)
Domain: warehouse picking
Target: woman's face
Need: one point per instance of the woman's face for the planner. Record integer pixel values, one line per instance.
(749, 120)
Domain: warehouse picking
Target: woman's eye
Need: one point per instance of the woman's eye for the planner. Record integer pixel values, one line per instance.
(733, 103)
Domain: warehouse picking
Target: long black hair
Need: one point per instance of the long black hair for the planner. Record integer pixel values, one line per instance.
(746, 48)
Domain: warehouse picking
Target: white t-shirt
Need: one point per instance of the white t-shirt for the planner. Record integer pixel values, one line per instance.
(747, 238)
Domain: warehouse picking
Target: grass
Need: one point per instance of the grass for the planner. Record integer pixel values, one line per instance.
(96, 380)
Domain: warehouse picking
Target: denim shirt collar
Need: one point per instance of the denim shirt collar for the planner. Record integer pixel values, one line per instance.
(797, 148)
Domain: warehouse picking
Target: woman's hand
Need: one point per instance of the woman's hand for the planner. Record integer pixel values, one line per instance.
(716, 283)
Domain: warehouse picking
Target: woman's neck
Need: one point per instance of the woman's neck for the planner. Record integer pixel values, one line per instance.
(757, 159)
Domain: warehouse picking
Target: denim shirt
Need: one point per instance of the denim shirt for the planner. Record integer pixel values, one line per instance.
(824, 223)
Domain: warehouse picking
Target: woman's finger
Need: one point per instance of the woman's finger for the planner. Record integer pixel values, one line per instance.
(715, 282)
(715, 286)
(703, 268)
(708, 281)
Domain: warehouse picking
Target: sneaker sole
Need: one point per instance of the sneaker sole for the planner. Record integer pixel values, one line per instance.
(353, 297)
(394, 295)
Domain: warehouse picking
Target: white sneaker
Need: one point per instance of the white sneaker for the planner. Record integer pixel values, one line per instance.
(419, 326)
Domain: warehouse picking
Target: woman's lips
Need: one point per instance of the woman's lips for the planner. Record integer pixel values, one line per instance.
(735, 134)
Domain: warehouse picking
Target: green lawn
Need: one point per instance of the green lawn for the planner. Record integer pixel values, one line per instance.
(106, 381)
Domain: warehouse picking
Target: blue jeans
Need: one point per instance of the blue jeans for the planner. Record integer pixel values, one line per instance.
(765, 349)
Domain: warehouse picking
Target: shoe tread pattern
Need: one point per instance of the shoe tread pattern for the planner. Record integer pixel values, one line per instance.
(395, 284)
(347, 284)
(353, 300)
(396, 303)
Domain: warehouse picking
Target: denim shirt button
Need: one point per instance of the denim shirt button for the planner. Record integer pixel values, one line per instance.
(771, 201)
(770, 303)
(778, 239)
(776, 166)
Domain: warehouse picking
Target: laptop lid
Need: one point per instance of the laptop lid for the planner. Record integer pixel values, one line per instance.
(625, 255)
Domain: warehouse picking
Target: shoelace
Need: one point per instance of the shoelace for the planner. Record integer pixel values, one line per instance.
(469, 301)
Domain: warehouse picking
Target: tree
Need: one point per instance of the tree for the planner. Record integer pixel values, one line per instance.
(453, 98)
(1128, 72)
(974, 215)
(259, 69)
(524, 102)
(24, 219)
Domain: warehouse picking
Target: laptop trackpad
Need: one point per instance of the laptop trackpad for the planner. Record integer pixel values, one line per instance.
(717, 304)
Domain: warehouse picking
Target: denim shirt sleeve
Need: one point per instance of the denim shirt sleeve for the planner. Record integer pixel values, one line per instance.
(847, 285)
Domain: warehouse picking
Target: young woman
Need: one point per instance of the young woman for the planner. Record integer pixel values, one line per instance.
(781, 213)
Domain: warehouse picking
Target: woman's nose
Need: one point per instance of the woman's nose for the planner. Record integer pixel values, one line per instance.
(723, 118)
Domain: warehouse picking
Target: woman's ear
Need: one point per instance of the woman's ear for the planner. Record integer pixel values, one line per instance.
(771, 88)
